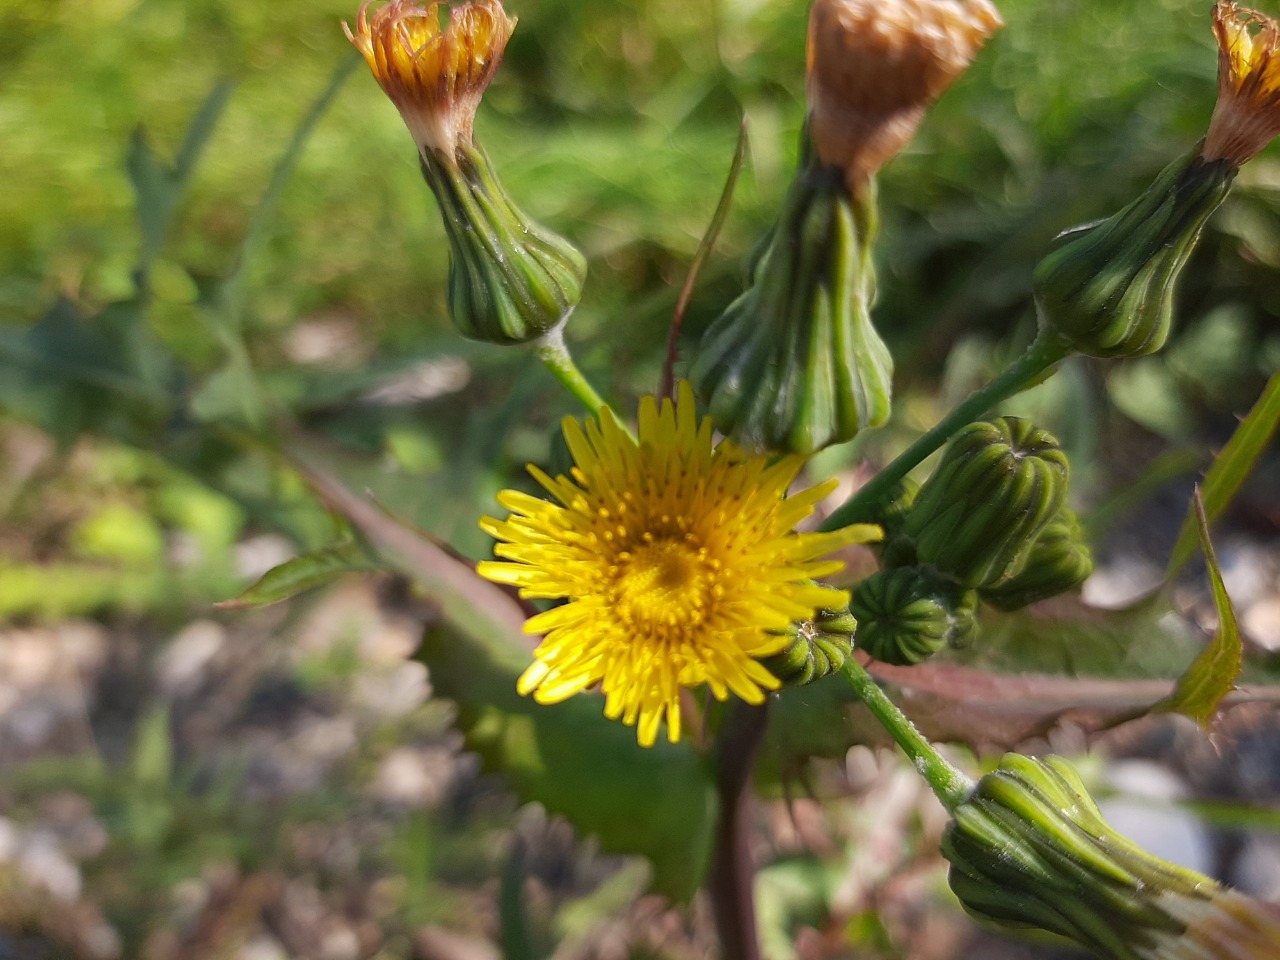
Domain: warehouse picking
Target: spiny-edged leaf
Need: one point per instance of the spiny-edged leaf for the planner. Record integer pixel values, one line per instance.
(989, 712)
(566, 756)
(657, 802)
(302, 573)
(1029, 672)
(1213, 674)
(1231, 468)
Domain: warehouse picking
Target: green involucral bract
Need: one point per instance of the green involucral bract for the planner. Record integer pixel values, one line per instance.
(510, 280)
(793, 364)
(1106, 289)
(907, 614)
(1000, 481)
(1059, 560)
(819, 647)
(1029, 848)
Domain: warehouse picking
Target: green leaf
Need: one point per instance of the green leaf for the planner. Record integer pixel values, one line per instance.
(302, 573)
(1231, 468)
(657, 802)
(1213, 674)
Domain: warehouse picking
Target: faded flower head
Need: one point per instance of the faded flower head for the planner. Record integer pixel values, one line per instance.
(435, 75)
(677, 559)
(874, 66)
(1247, 115)
(1029, 848)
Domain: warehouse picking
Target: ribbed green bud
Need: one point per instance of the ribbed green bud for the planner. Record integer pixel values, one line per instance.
(1029, 848)
(907, 614)
(1059, 561)
(819, 647)
(793, 364)
(890, 513)
(1106, 289)
(1000, 481)
(510, 280)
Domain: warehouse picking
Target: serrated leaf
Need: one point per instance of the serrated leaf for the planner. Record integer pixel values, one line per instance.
(566, 756)
(1231, 468)
(1030, 672)
(303, 573)
(1213, 674)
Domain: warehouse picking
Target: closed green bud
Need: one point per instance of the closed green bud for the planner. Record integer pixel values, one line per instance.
(793, 364)
(510, 280)
(1000, 481)
(907, 614)
(1106, 289)
(890, 513)
(819, 647)
(1059, 561)
(1030, 849)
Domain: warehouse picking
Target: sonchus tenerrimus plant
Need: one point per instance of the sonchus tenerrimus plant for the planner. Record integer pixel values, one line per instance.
(674, 556)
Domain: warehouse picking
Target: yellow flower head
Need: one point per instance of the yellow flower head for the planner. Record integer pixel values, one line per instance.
(874, 66)
(434, 75)
(1247, 115)
(678, 561)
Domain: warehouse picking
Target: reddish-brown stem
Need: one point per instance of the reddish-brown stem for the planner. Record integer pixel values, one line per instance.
(731, 880)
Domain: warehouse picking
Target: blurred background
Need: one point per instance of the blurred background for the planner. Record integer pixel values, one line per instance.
(178, 781)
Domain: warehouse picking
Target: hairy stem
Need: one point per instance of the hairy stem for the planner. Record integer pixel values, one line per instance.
(950, 785)
(553, 353)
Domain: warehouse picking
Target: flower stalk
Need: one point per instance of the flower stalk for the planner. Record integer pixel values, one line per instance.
(948, 782)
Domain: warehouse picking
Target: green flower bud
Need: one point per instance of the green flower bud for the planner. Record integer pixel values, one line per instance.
(1059, 561)
(907, 614)
(1000, 481)
(1106, 289)
(819, 647)
(890, 513)
(1029, 848)
(510, 280)
(793, 364)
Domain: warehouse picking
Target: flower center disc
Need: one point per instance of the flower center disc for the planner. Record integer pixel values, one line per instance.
(662, 586)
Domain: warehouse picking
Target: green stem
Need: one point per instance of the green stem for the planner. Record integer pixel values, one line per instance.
(551, 350)
(1039, 357)
(950, 785)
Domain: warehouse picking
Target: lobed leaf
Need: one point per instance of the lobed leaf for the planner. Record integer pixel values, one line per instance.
(1212, 675)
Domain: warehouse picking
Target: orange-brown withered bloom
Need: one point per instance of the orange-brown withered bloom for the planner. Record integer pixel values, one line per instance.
(434, 74)
(874, 66)
(1247, 115)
